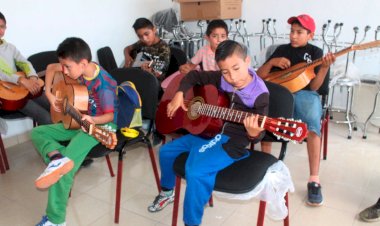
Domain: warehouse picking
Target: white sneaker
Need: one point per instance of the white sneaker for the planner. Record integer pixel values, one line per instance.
(45, 222)
(53, 172)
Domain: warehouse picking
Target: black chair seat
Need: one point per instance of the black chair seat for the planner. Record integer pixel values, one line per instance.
(122, 141)
(11, 114)
(236, 178)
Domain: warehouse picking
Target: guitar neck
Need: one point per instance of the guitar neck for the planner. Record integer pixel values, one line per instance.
(77, 116)
(227, 114)
(340, 53)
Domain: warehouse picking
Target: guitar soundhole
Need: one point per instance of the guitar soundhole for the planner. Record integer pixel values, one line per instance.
(194, 106)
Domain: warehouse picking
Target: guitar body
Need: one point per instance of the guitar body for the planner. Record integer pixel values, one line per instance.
(14, 97)
(298, 76)
(293, 80)
(194, 123)
(72, 93)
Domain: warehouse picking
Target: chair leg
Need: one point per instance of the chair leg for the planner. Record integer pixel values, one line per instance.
(110, 166)
(2, 169)
(4, 154)
(176, 200)
(118, 186)
(325, 138)
(211, 201)
(260, 218)
(286, 220)
(154, 165)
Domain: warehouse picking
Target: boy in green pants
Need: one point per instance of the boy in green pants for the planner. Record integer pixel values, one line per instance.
(63, 161)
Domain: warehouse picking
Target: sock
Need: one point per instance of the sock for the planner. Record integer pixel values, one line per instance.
(166, 191)
(56, 156)
(314, 178)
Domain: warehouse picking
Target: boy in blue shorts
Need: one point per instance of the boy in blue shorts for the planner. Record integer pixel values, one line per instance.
(63, 161)
(246, 92)
(307, 101)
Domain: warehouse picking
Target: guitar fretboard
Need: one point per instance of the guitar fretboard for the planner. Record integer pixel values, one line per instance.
(226, 114)
(77, 116)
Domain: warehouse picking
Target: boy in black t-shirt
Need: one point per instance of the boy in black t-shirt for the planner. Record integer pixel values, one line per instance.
(307, 103)
(150, 53)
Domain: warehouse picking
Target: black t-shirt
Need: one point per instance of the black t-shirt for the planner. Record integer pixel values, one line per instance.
(307, 53)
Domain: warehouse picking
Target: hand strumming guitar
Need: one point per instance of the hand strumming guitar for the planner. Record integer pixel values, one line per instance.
(280, 62)
(175, 103)
(30, 84)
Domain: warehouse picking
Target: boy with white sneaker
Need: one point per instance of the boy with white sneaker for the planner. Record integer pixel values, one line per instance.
(75, 62)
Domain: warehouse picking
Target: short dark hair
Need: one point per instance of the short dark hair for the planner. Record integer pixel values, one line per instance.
(229, 47)
(74, 48)
(216, 24)
(2, 17)
(142, 23)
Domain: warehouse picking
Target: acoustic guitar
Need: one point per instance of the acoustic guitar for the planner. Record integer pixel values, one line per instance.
(73, 99)
(13, 96)
(299, 75)
(207, 111)
(156, 64)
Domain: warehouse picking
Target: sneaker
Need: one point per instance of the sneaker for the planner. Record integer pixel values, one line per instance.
(157, 138)
(53, 172)
(161, 201)
(314, 194)
(45, 222)
(371, 214)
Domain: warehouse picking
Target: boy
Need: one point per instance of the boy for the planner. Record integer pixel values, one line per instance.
(307, 103)
(10, 60)
(75, 62)
(216, 32)
(247, 92)
(154, 53)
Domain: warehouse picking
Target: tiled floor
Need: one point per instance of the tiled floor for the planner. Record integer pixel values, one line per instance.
(350, 179)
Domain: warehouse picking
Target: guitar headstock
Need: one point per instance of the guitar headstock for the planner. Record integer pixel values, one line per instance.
(287, 129)
(105, 135)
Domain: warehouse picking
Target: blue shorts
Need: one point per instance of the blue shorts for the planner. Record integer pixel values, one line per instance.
(308, 108)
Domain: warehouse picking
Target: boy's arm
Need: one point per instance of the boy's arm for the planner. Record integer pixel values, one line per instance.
(280, 62)
(200, 78)
(327, 60)
(127, 55)
(186, 68)
(100, 119)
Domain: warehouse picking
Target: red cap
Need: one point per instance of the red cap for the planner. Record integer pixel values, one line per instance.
(305, 20)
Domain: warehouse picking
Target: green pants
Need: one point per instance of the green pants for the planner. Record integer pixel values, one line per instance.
(46, 139)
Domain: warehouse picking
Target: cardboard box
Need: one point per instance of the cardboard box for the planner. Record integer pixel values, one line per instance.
(210, 9)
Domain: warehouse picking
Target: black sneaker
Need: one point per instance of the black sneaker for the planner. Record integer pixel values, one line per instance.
(371, 214)
(157, 138)
(161, 201)
(314, 194)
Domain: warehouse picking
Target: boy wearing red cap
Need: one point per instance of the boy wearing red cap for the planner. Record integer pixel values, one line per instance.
(307, 105)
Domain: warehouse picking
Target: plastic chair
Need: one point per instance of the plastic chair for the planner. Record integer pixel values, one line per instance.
(42, 59)
(177, 58)
(250, 170)
(106, 59)
(147, 86)
(281, 104)
(323, 91)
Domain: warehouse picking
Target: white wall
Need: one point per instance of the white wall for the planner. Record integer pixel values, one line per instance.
(39, 25)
